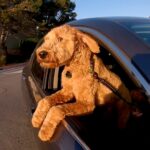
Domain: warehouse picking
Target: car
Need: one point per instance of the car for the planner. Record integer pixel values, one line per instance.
(125, 50)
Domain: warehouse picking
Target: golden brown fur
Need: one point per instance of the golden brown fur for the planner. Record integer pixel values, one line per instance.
(67, 46)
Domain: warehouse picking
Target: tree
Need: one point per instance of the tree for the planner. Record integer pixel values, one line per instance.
(17, 15)
(32, 17)
(53, 13)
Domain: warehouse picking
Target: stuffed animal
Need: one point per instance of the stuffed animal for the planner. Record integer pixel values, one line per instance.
(66, 45)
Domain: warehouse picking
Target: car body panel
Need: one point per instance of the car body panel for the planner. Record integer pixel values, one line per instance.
(112, 29)
(128, 42)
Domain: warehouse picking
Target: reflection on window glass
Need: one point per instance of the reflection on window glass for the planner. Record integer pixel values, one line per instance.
(40, 43)
(48, 79)
(141, 29)
(54, 80)
(37, 71)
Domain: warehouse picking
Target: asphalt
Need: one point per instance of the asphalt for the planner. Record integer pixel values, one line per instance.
(16, 132)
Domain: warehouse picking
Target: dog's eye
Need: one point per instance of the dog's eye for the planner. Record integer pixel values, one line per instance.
(68, 74)
(60, 39)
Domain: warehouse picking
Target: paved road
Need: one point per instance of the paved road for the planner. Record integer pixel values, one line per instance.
(16, 132)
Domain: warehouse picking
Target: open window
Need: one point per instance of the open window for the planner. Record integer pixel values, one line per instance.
(94, 129)
(49, 80)
(97, 131)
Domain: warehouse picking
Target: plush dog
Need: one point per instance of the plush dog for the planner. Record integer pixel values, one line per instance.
(65, 45)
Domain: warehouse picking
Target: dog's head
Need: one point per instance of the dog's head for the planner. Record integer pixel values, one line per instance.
(60, 44)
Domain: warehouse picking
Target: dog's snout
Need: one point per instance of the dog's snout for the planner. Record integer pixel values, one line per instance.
(43, 54)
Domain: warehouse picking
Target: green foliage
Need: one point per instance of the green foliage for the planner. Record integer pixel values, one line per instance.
(19, 15)
(32, 18)
(28, 6)
(55, 12)
(27, 47)
(25, 15)
(4, 17)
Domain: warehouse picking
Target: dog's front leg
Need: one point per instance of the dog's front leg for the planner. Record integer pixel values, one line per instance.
(45, 104)
(57, 113)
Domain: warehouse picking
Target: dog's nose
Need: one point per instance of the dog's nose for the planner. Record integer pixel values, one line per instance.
(43, 54)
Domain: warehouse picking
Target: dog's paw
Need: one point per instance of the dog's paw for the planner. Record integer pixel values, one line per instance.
(53, 118)
(40, 113)
(35, 122)
(46, 132)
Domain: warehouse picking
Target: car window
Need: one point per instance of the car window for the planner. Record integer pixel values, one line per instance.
(140, 29)
(143, 31)
(36, 69)
(53, 83)
(94, 127)
(49, 80)
(38, 72)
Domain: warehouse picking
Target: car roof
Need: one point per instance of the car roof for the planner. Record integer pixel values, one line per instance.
(114, 28)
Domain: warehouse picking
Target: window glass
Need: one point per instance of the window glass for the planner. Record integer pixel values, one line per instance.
(53, 80)
(141, 29)
(41, 74)
(48, 79)
(38, 72)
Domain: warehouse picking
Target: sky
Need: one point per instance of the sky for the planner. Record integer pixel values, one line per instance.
(103, 8)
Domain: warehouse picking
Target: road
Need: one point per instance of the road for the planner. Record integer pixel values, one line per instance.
(16, 132)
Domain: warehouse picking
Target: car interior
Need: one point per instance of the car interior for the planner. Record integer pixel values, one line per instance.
(99, 129)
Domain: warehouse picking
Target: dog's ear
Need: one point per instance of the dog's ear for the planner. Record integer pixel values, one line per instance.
(91, 43)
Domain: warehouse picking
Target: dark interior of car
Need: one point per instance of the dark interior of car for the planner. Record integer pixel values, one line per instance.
(99, 129)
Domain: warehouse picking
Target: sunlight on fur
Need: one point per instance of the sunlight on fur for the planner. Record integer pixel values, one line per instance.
(65, 45)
